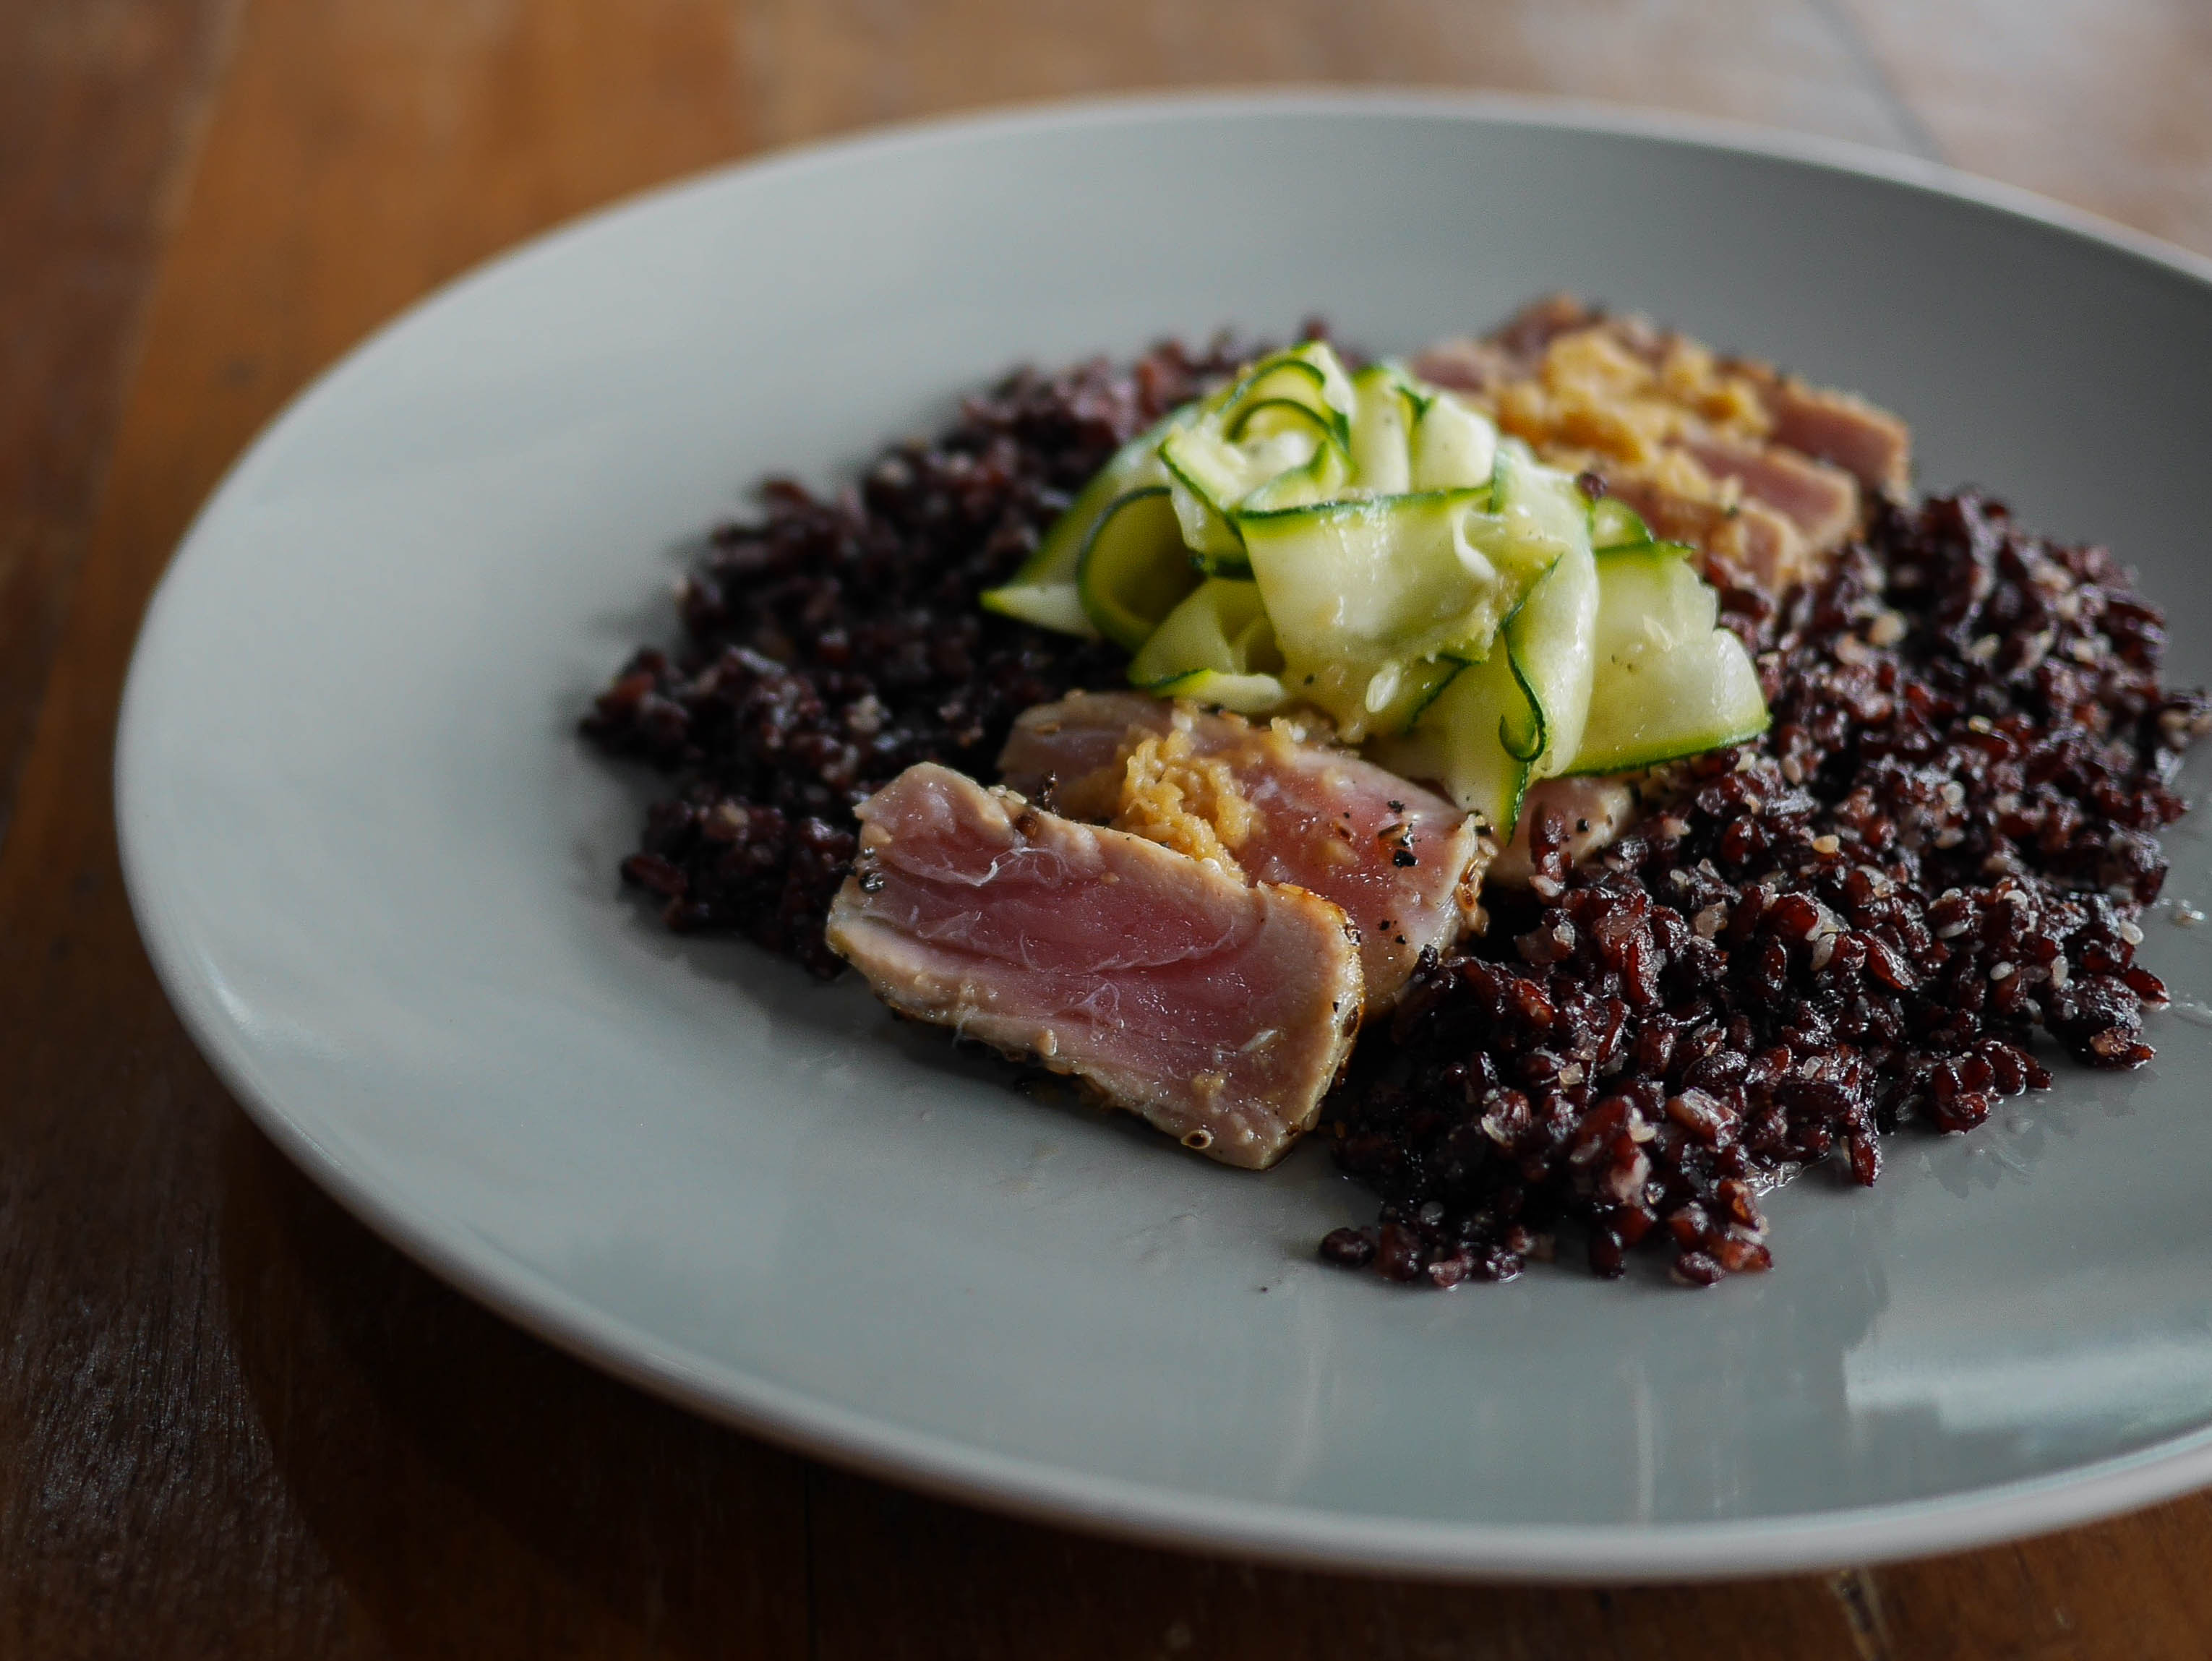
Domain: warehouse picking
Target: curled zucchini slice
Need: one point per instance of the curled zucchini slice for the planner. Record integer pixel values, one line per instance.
(1392, 576)
(1283, 429)
(1217, 647)
(1397, 692)
(1519, 714)
(1551, 641)
(1535, 513)
(1384, 413)
(1270, 418)
(1368, 596)
(1475, 741)
(1453, 448)
(1055, 606)
(1247, 695)
(1668, 681)
(1409, 437)
(1614, 524)
(1307, 374)
(1220, 625)
(1042, 592)
(1322, 479)
(1369, 545)
(1135, 569)
(1361, 590)
(1211, 474)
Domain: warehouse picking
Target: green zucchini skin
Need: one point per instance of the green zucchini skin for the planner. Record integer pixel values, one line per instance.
(1310, 374)
(1474, 740)
(1219, 629)
(1279, 436)
(1614, 524)
(1668, 680)
(1134, 466)
(1266, 417)
(1370, 545)
(1244, 695)
(1133, 570)
(1516, 716)
(1551, 641)
(1055, 606)
(1042, 591)
(1211, 475)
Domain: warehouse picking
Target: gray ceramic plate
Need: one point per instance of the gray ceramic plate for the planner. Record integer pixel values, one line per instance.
(375, 867)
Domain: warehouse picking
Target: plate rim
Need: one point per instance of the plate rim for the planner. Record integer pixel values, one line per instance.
(1036, 1489)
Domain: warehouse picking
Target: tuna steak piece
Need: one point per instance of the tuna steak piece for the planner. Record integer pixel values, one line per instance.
(1401, 861)
(1592, 814)
(1764, 474)
(1869, 443)
(1217, 1010)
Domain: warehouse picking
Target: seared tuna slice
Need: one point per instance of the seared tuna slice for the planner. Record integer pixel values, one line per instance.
(1744, 539)
(1591, 814)
(1217, 1010)
(1513, 352)
(1871, 444)
(1759, 471)
(1821, 501)
(1401, 860)
(1071, 754)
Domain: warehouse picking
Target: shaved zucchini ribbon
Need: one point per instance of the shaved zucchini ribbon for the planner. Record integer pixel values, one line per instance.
(1367, 544)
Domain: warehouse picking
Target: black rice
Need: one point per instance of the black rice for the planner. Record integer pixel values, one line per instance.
(831, 644)
(1862, 919)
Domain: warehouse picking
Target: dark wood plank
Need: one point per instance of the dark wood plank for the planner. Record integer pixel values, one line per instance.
(818, 66)
(2134, 1587)
(98, 108)
(2106, 104)
(234, 1423)
(899, 1576)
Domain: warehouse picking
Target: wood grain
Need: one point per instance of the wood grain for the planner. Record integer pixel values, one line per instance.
(98, 108)
(234, 1424)
(231, 1422)
(899, 1576)
(818, 66)
(2105, 104)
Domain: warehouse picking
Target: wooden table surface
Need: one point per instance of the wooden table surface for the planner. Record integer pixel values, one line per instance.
(232, 1422)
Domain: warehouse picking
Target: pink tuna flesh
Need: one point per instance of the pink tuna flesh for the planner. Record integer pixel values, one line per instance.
(1394, 855)
(1869, 443)
(1217, 1010)
(1821, 501)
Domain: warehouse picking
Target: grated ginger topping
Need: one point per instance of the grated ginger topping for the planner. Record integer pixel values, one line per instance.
(1183, 801)
(1618, 398)
(1604, 391)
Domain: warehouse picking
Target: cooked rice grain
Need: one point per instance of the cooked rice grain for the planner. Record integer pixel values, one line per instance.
(832, 643)
(1862, 919)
